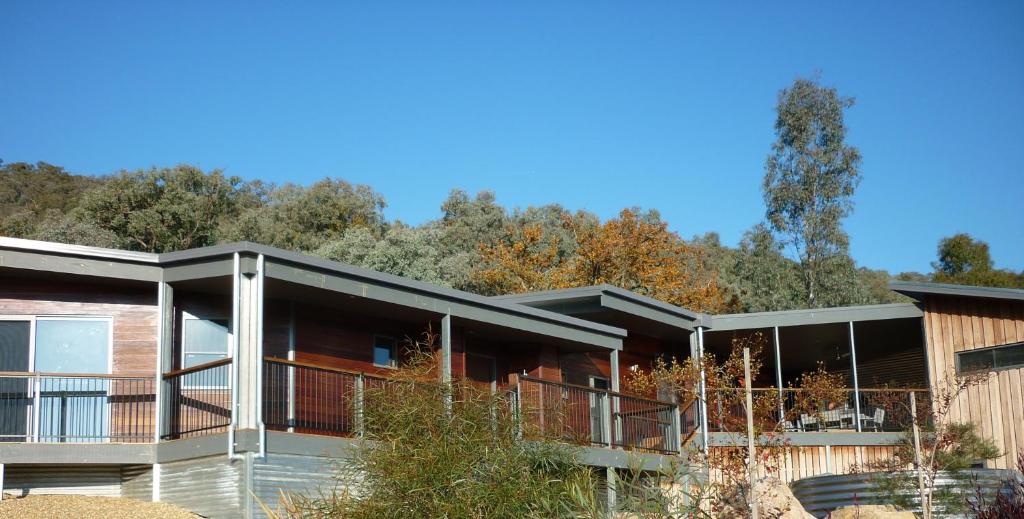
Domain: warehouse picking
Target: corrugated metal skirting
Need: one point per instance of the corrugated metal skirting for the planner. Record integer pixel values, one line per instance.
(137, 482)
(212, 486)
(290, 474)
(92, 480)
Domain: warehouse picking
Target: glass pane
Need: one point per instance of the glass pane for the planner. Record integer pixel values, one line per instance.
(206, 335)
(195, 359)
(72, 346)
(211, 377)
(14, 400)
(383, 352)
(1010, 356)
(73, 409)
(975, 361)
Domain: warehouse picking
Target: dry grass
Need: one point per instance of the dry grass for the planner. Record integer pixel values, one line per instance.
(84, 507)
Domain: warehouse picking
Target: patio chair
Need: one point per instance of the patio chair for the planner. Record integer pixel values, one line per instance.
(875, 422)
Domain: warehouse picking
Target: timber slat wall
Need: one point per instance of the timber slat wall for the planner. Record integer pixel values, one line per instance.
(807, 461)
(955, 324)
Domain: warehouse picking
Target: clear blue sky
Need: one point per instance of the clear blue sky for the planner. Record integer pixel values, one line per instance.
(591, 104)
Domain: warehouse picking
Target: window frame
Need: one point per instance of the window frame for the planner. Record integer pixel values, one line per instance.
(393, 350)
(992, 351)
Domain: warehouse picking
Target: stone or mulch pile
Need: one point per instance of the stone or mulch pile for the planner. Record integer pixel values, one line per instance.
(774, 500)
(871, 512)
(84, 507)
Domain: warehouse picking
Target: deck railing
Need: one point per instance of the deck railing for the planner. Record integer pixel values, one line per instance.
(76, 408)
(302, 397)
(597, 417)
(198, 400)
(798, 410)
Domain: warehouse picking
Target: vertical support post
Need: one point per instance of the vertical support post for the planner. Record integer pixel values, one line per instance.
(828, 458)
(258, 324)
(675, 442)
(925, 505)
(606, 422)
(610, 478)
(157, 476)
(616, 404)
(751, 454)
(37, 409)
(235, 360)
(164, 357)
(703, 391)
(446, 348)
(853, 371)
(1, 481)
(360, 404)
(291, 369)
(778, 371)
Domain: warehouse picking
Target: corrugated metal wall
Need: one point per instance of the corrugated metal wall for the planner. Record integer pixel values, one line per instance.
(212, 486)
(290, 473)
(93, 480)
(137, 482)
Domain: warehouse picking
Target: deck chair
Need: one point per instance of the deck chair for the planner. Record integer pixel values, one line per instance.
(878, 419)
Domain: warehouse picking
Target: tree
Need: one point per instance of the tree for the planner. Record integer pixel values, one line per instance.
(966, 261)
(166, 209)
(402, 250)
(810, 177)
(304, 218)
(765, 280)
(635, 251)
(31, 194)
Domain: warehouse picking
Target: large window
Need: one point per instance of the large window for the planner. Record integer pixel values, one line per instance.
(991, 359)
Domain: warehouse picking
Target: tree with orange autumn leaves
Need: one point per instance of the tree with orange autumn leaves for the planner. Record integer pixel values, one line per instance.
(633, 251)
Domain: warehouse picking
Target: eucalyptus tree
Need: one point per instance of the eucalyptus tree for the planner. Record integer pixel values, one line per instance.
(810, 177)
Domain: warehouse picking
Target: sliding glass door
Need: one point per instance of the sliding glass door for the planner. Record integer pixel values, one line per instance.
(73, 408)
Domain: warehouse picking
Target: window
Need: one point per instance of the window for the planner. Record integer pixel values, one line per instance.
(999, 357)
(204, 340)
(385, 352)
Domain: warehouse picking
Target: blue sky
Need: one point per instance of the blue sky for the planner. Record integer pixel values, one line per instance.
(594, 105)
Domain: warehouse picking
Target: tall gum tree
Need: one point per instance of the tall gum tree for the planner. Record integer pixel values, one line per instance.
(810, 177)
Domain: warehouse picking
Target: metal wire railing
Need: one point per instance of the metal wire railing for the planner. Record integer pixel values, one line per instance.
(307, 398)
(591, 416)
(198, 400)
(76, 408)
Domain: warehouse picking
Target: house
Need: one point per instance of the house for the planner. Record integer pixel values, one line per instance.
(209, 376)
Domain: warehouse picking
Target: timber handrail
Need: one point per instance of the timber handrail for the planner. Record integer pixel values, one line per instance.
(300, 364)
(109, 376)
(200, 367)
(797, 389)
(594, 390)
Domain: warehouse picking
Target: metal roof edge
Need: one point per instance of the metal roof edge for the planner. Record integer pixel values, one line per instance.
(164, 259)
(912, 288)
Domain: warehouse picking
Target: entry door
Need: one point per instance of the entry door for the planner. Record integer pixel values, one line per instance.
(15, 344)
(73, 409)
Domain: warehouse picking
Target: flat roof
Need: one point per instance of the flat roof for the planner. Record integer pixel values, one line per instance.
(607, 298)
(917, 290)
(334, 267)
(814, 316)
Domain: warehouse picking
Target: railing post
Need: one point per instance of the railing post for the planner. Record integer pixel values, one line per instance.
(519, 407)
(677, 430)
(359, 403)
(606, 422)
(36, 407)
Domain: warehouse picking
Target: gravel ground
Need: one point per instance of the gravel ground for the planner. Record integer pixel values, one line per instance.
(86, 507)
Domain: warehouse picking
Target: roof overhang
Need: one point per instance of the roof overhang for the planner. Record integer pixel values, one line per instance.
(613, 305)
(305, 270)
(814, 316)
(919, 290)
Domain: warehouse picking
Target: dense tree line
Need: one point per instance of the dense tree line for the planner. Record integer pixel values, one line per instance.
(797, 258)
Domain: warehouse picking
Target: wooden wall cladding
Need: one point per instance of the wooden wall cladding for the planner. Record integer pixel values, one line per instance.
(955, 324)
(134, 313)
